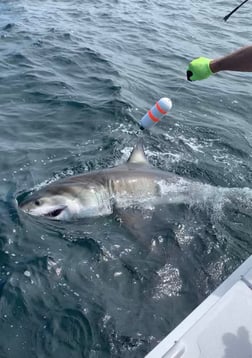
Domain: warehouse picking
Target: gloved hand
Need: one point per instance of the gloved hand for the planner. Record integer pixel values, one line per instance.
(199, 69)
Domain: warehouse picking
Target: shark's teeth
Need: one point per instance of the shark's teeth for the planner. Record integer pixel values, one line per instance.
(55, 212)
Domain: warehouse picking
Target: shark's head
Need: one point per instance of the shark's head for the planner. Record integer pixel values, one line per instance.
(66, 200)
(55, 207)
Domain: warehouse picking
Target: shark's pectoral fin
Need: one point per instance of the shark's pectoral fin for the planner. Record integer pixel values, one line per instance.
(156, 243)
(138, 222)
(151, 228)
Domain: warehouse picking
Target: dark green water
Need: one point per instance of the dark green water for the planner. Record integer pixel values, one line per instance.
(75, 78)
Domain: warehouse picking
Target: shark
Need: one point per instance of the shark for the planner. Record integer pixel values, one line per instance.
(133, 184)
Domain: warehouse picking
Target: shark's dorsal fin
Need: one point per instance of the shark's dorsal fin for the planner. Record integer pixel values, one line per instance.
(137, 155)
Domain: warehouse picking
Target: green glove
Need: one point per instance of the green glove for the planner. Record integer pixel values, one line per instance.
(199, 69)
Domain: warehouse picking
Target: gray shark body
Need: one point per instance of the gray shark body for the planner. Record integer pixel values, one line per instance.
(133, 184)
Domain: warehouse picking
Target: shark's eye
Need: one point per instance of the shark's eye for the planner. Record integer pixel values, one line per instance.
(37, 202)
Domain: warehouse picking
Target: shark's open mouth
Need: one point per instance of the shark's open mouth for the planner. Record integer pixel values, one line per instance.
(55, 213)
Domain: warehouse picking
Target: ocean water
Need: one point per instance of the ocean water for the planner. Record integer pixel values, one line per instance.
(75, 78)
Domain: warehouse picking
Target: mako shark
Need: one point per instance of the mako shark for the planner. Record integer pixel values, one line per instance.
(133, 184)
